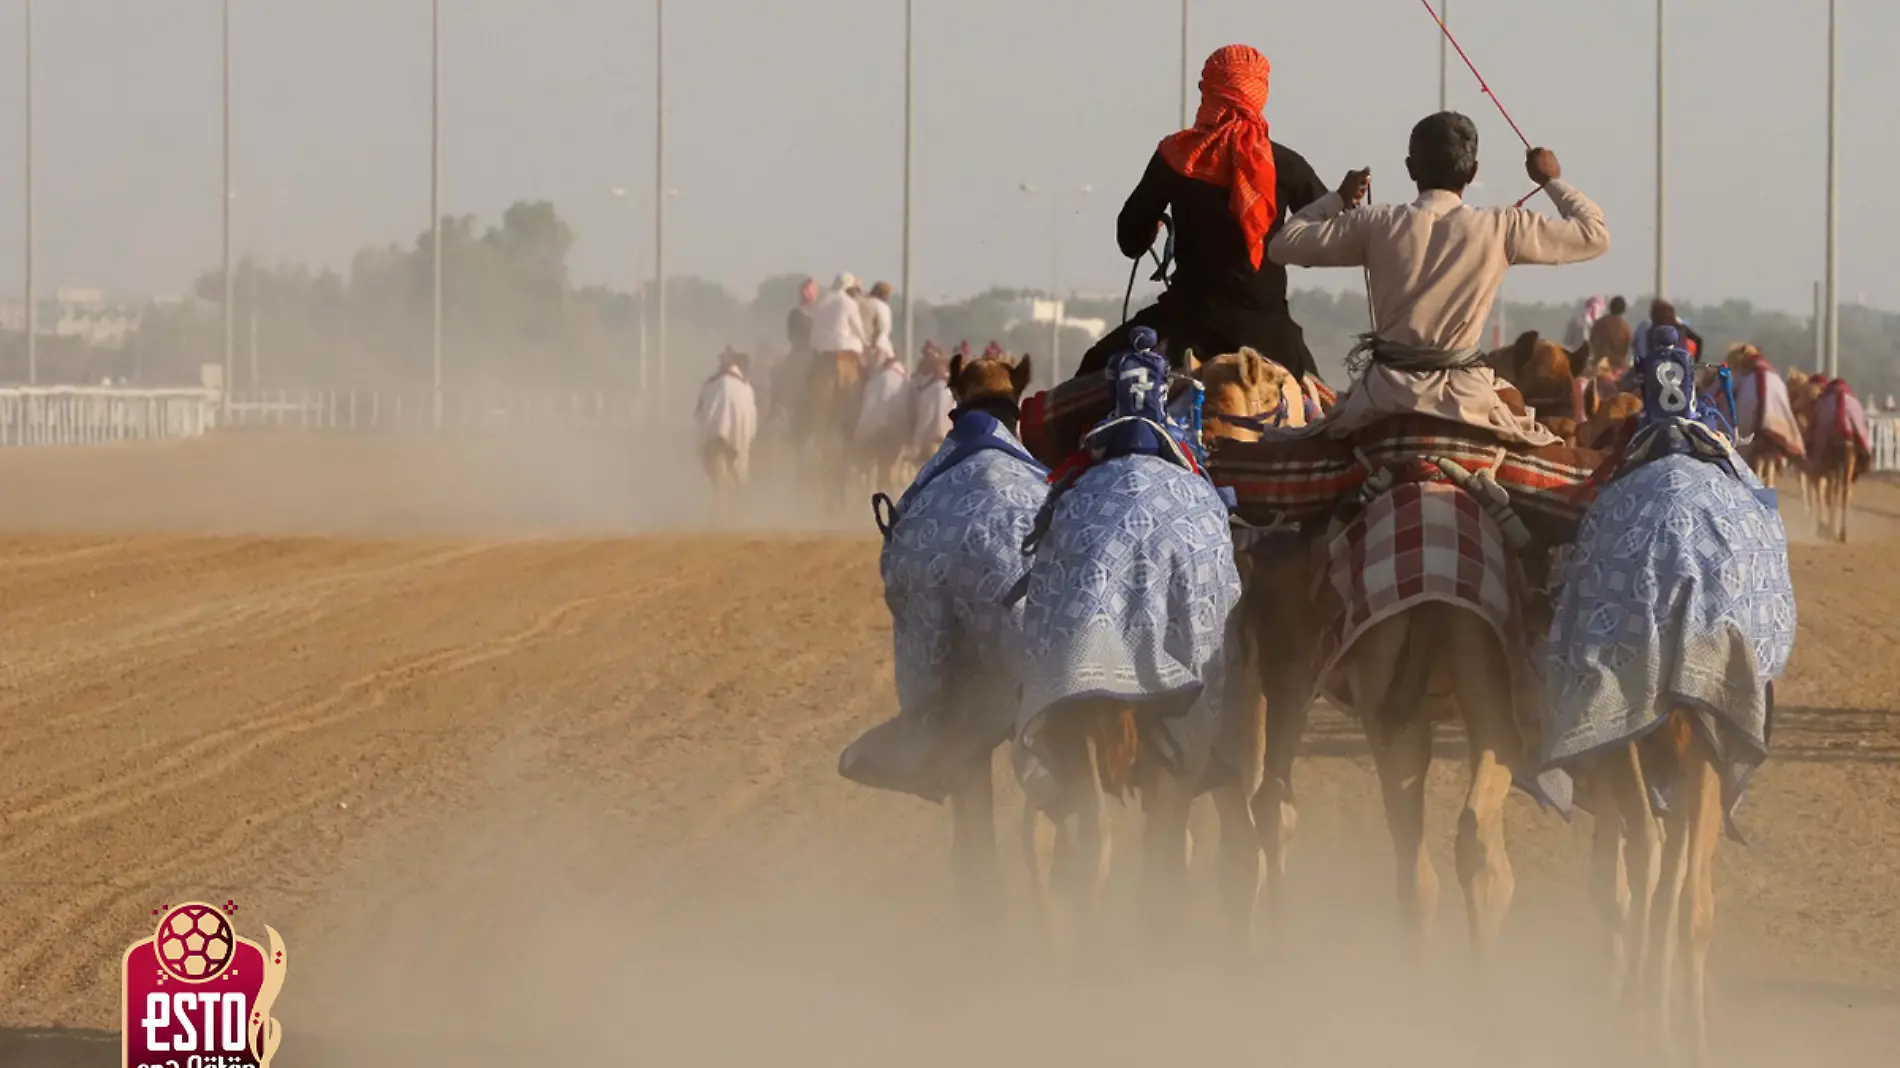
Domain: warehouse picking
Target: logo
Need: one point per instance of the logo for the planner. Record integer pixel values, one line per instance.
(197, 995)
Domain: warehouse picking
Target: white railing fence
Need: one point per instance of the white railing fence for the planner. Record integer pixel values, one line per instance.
(90, 415)
(414, 411)
(1886, 431)
(87, 415)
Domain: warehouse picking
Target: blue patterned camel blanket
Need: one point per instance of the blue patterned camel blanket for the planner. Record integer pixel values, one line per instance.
(1131, 594)
(953, 549)
(1677, 593)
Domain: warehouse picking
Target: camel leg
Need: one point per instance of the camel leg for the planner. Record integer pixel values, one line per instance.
(1485, 697)
(1639, 863)
(973, 845)
(1666, 929)
(1244, 722)
(1403, 759)
(1165, 861)
(1239, 863)
(1847, 489)
(1609, 884)
(1083, 845)
(1274, 814)
(1042, 844)
(1702, 801)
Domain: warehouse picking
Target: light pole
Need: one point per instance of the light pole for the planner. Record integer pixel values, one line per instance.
(1444, 57)
(230, 289)
(659, 193)
(435, 210)
(1833, 189)
(1662, 174)
(910, 161)
(1055, 273)
(32, 301)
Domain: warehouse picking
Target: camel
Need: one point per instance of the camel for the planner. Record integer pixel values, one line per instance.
(1077, 749)
(1545, 375)
(1640, 707)
(953, 636)
(1244, 391)
(1408, 671)
(1803, 390)
(1763, 401)
(1834, 422)
(828, 415)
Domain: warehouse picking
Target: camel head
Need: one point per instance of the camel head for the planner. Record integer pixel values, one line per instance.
(1804, 391)
(1543, 372)
(1247, 385)
(987, 377)
(1599, 431)
(1741, 358)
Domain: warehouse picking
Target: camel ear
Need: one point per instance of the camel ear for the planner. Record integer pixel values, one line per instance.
(1524, 348)
(1189, 364)
(1252, 368)
(956, 367)
(1019, 375)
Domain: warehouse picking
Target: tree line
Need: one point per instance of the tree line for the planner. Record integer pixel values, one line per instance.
(514, 319)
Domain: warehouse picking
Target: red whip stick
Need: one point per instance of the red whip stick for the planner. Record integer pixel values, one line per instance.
(1483, 85)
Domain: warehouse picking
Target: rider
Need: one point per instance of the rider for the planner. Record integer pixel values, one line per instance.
(1663, 313)
(1433, 268)
(1229, 186)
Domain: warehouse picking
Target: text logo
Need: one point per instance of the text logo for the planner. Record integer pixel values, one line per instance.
(197, 995)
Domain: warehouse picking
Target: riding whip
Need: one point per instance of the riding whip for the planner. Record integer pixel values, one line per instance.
(1483, 86)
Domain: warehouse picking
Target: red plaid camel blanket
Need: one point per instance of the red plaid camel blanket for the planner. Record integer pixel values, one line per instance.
(1418, 543)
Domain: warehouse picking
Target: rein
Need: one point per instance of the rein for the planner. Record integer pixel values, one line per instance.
(1259, 424)
(1163, 260)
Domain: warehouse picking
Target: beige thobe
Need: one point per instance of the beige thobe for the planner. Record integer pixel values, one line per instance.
(1434, 267)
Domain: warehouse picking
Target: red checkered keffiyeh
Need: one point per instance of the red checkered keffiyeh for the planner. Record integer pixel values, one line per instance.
(1229, 145)
(1420, 542)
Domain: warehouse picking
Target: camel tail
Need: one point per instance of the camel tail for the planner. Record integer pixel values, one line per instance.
(1411, 674)
(1117, 743)
(1108, 734)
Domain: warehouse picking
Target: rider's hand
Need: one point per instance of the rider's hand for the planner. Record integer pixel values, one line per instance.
(1355, 187)
(1541, 164)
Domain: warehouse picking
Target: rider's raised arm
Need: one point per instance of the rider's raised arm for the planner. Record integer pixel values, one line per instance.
(1581, 234)
(1140, 220)
(1322, 234)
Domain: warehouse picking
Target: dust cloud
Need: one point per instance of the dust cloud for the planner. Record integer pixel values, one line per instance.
(527, 940)
(809, 924)
(579, 482)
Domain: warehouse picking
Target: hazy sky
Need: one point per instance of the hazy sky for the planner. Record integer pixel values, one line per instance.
(786, 121)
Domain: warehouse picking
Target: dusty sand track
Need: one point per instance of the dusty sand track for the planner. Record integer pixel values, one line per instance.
(518, 799)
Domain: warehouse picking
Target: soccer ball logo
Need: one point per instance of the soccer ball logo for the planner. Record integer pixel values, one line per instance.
(194, 943)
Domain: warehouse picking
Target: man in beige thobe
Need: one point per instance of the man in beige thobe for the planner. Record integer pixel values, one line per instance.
(1434, 268)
